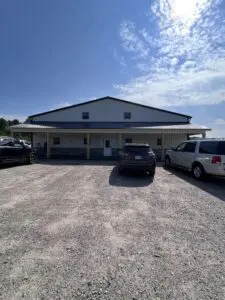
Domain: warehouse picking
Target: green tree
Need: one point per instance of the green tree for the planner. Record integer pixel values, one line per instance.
(3, 123)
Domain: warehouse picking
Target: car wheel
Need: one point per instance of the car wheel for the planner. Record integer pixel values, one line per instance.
(30, 158)
(167, 162)
(198, 171)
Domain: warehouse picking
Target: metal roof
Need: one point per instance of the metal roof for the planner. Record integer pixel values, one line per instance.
(107, 125)
(112, 98)
(98, 125)
(180, 126)
(31, 126)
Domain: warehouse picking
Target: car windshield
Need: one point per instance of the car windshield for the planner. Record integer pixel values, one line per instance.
(137, 149)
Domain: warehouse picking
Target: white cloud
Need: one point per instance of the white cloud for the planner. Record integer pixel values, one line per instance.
(220, 121)
(131, 41)
(120, 59)
(181, 61)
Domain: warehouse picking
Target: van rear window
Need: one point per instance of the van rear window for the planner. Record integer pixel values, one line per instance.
(221, 148)
(212, 147)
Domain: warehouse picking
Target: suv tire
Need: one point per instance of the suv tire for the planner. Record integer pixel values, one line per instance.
(198, 171)
(167, 162)
(30, 159)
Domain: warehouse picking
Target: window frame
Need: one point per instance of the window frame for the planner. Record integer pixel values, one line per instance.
(128, 142)
(127, 115)
(190, 143)
(56, 138)
(217, 148)
(184, 143)
(85, 115)
(17, 145)
(159, 141)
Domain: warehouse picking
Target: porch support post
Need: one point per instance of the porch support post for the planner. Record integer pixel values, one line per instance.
(31, 139)
(162, 147)
(88, 145)
(204, 135)
(120, 140)
(48, 146)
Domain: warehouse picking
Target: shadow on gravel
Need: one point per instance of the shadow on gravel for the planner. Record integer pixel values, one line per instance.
(9, 166)
(212, 185)
(129, 179)
(57, 162)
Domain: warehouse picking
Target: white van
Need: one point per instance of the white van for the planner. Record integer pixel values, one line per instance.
(201, 157)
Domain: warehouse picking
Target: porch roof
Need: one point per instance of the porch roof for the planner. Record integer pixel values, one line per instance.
(109, 127)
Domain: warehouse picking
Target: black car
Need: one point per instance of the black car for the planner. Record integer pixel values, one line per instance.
(12, 151)
(137, 157)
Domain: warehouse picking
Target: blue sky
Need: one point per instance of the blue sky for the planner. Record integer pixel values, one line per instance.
(165, 53)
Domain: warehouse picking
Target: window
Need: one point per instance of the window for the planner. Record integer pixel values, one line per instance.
(17, 145)
(221, 148)
(128, 140)
(127, 115)
(181, 147)
(159, 142)
(107, 143)
(212, 147)
(86, 141)
(85, 115)
(56, 140)
(190, 147)
(143, 150)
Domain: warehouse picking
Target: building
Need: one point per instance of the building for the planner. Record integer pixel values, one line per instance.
(98, 128)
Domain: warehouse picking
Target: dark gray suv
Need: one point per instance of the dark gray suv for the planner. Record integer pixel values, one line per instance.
(137, 157)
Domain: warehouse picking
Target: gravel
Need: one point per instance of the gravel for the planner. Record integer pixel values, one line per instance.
(80, 231)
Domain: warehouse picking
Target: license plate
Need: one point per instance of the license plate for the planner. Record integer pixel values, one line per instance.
(137, 157)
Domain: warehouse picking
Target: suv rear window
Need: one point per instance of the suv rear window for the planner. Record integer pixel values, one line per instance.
(212, 147)
(137, 149)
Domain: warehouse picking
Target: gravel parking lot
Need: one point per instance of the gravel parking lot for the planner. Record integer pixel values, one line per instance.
(81, 231)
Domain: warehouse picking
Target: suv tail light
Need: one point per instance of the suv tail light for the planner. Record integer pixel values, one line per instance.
(216, 160)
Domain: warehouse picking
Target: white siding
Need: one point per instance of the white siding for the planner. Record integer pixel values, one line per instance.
(75, 140)
(109, 110)
(172, 140)
(97, 140)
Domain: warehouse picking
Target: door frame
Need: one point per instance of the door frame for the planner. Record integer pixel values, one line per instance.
(107, 151)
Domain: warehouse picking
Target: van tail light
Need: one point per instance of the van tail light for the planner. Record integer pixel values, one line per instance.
(216, 160)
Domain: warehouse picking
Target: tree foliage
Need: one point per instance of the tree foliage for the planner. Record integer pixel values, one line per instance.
(4, 125)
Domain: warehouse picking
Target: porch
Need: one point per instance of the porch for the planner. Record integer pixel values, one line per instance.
(104, 143)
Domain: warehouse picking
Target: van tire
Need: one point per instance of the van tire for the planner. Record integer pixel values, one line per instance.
(198, 171)
(167, 162)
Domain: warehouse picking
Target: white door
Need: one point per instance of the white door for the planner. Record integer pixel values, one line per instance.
(177, 153)
(107, 147)
(187, 156)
